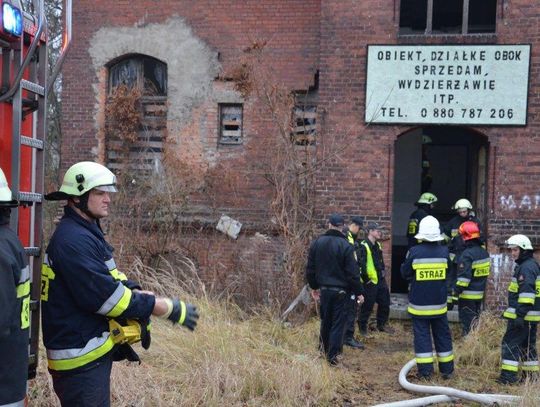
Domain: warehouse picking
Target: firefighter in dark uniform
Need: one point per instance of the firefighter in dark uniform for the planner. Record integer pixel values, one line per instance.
(376, 290)
(91, 312)
(352, 232)
(425, 205)
(425, 268)
(333, 269)
(523, 313)
(14, 305)
(472, 273)
(463, 207)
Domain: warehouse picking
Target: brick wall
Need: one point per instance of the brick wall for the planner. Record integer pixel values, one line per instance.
(304, 37)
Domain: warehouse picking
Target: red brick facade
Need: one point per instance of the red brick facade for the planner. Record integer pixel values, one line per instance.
(303, 38)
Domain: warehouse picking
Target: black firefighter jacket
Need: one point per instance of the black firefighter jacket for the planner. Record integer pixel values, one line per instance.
(14, 316)
(472, 271)
(524, 290)
(81, 291)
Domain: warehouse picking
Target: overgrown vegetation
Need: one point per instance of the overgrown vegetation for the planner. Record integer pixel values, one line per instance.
(239, 359)
(232, 359)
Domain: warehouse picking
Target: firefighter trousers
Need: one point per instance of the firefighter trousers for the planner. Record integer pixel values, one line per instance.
(86, 388)
(518, 347)
(423, 329)
(335, 304)
(375, 293)
(468, 310)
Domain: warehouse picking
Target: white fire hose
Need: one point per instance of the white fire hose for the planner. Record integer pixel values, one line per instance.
(441, 394)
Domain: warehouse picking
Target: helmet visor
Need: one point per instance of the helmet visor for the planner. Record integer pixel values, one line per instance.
(106, 188)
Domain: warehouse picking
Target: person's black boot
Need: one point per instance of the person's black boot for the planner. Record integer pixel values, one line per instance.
(353, 343)
(506, 380)
(363, 330)
(385, 329)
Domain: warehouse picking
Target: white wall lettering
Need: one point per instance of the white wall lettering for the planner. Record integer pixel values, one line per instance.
(525, 202)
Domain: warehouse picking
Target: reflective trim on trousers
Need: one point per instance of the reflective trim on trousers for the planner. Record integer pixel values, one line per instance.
(67, 359)
(531, 366)
(510, 365)
(444, 357)
(426, 357)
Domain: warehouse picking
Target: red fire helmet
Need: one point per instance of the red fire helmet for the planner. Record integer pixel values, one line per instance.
(469, 230)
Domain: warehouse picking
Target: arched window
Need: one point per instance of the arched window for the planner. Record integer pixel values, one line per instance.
(136, 114)
(146, 73)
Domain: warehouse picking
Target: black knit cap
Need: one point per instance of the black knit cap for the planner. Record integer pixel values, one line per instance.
(336, 220)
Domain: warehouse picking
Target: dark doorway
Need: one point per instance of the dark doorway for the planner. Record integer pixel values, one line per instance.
(450, 162)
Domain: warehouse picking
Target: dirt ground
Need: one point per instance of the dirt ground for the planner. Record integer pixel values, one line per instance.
(371, 375)
(373, 372)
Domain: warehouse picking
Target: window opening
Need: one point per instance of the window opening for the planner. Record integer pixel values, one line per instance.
(304, 124)
(447, 17)
(142, 80)
(230, 123)
(146, 73)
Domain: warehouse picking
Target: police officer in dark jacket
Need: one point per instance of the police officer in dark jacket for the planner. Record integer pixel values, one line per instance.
(352, 232)
(332, 269)
(425, 268)
(14, 307)
(472, 272)
(425, 205)
(523, 314)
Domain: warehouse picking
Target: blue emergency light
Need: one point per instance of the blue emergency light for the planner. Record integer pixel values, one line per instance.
(12, 19)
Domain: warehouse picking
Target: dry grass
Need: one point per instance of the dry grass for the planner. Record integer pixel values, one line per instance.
(240, 359)
(231, 359)
(228, 360)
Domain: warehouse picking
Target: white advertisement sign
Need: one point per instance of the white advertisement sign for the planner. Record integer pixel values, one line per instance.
(447, 84)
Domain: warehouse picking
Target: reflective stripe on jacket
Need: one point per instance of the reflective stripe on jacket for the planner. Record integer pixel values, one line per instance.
(425, 268)
(524, 291)
(472, 272)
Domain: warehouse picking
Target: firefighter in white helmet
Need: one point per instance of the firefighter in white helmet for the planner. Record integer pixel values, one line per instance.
(456, 244)
(425, 269)
(518, 347)
(425, 204)
(91, 311)
(14, 306)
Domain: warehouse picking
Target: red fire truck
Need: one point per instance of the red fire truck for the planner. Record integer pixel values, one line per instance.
(25, 83)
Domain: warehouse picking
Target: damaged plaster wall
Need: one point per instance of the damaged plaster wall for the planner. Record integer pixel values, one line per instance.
(191, 64)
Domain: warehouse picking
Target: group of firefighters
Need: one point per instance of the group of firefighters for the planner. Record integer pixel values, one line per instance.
(92, 313)
(444, 267)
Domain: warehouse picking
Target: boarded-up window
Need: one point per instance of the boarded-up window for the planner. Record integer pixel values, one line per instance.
(144, 104)
(230, 123)
(304, 124)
